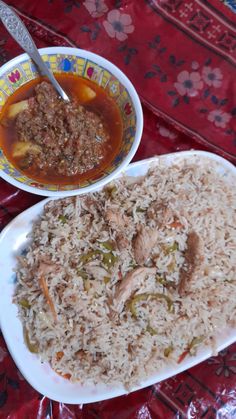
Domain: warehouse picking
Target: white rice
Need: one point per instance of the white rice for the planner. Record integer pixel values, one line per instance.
(95, 342)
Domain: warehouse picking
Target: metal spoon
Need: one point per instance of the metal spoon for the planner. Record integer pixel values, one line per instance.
(18, 31)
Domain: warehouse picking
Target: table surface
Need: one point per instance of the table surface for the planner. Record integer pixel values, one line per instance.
(159, 45)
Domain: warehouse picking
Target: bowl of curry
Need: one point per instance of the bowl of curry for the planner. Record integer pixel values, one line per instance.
(55, 148)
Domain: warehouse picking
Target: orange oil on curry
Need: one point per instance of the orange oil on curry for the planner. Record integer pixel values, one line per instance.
(102, 104)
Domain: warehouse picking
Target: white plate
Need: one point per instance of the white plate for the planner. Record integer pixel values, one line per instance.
(13, 240)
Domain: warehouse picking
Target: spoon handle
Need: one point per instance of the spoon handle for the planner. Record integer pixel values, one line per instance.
(18, 31)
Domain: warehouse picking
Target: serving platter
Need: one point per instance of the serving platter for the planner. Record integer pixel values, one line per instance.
(14, 240)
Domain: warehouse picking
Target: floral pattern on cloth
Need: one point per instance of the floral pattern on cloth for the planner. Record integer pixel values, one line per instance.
(96, 8)
(212, 76)
(188, 83)
(224, 364)
(219, 118)
(182, 88)
(166, 132)
(118, 25)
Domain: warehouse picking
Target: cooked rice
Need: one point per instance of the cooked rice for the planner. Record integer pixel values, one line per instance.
(90, 339)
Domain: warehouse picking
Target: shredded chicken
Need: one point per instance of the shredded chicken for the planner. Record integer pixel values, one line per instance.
(122, 241)
(45, 269)
(129, 284)
(143, 244)
(115, 219)
(89, 205)
(194, 257)
(160, 212)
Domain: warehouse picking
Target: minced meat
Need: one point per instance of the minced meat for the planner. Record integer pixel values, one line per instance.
(71, 137)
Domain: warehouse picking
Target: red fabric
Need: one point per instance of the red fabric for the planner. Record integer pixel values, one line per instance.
(160, 34)
(181, 57)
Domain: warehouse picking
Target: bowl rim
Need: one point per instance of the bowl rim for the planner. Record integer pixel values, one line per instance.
(100, 60)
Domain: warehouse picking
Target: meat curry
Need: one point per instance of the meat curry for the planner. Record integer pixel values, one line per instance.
(53, 141)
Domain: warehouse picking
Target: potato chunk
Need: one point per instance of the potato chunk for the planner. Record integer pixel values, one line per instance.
(21, 148)
(16, 108)
(85, 94)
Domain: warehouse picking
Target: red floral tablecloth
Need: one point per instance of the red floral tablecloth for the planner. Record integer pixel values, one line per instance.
(181, 57)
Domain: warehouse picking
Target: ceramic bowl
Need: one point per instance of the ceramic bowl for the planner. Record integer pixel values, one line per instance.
(21, 69)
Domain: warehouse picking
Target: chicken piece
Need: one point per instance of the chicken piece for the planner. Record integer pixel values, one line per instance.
(160, 212)
(115, 219)
(89, 205)
(194, 258)
(45, 269)
(143, 244)
(121, 241)
(129, 284)
(96, 271)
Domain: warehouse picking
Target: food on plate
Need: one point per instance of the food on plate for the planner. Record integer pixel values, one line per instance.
(119, 283)
(51, 140)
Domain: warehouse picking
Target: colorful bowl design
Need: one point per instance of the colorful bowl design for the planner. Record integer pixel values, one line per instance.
(21, 69)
